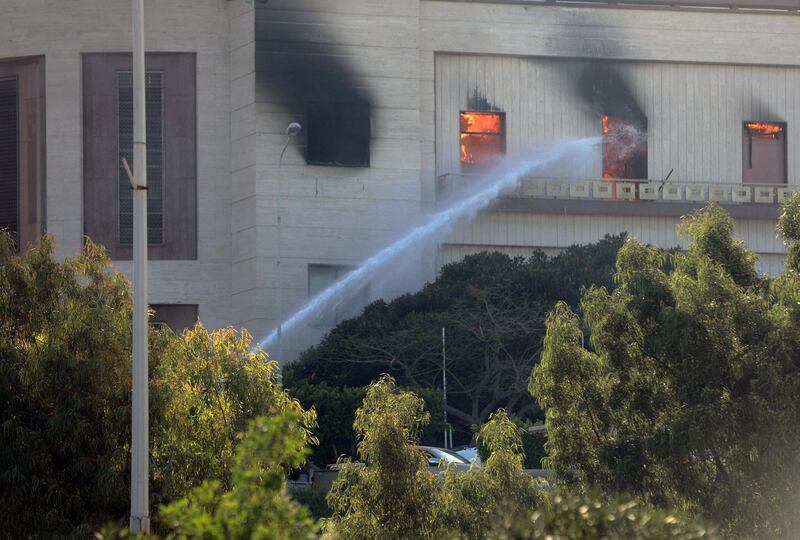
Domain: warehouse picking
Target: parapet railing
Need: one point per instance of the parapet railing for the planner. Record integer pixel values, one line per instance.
(600, 189)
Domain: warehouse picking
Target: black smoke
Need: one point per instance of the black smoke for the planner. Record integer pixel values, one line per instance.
(605, 90)
(299, 65)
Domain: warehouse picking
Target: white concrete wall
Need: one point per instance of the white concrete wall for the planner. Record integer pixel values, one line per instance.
(341, 216)
(695, 112)
(697, 74)
(335, 215)
(61, 30)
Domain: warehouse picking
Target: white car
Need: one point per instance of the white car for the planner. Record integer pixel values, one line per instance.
(441, 457)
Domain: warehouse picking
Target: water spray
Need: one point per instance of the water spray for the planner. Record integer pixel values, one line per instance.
(486, 190)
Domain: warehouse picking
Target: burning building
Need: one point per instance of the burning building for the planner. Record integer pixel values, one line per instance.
(401, 104)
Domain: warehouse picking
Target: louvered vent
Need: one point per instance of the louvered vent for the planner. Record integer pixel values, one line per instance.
(154, 93)
(9, 168)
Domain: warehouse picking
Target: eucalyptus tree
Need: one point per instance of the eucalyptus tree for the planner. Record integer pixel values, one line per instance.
(688, 393)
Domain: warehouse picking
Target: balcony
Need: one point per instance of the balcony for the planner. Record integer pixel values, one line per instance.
(629, 197)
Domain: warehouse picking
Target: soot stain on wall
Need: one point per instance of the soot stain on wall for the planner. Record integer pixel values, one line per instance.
(604, 89)
(300, 65)
(476, 101)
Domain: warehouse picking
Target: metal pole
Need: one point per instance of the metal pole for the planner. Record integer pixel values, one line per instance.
(291, 131)
(444, 388)
(140, 504)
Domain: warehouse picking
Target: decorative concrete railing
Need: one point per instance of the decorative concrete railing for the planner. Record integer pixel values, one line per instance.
(633, 190)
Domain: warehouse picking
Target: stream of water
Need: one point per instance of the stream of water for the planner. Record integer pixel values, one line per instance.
(464, 206)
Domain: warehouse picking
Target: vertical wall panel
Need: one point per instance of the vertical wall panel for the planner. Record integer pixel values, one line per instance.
(695, 111)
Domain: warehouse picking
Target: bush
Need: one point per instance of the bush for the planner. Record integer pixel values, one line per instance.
(689, 395)
(336, 410)
(533, 445)
(313, 499)
(393, 495)
(574, 517)
(65, 386)
(257, 506)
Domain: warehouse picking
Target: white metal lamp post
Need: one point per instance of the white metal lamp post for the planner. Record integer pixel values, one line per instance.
(140, 423)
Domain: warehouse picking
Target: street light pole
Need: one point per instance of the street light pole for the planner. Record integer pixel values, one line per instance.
(140, 503)
(291, 132)
(444, 394)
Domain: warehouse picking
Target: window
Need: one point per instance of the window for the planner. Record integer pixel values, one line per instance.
(170, 107)
(22, 156)
(338, 134)
(764, 153)
(483, 137)
(178, 317)
(624, 149)
(9, 192)
(154, 99)
(322, 276)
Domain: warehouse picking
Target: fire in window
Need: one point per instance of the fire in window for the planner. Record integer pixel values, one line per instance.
(624, 149)
(338, 133)
(483, 137)
(764, 153)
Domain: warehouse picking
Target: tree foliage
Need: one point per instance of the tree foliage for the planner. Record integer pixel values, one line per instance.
(257, 506)
(336, 411)
(586, 517)
(65, 372)
(390, 494)
(393, 495)
(493, 308)
(689, 394)
(473, 503)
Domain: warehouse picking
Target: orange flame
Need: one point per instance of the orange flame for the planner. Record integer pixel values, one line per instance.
(481, 122)
(481, 137)
(768, 129)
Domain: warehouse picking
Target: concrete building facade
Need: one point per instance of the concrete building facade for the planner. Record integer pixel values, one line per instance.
(253, 222)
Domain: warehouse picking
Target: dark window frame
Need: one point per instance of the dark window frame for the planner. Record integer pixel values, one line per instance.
(122, 178)
(178, 317)
(747, 132)
(100, 147)
(12, 198)
(641, 169)
(319, 137)
(31, 170)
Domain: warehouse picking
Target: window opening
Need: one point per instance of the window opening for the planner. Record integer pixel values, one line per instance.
(764, 153)
(338, 134)
(482, 137)
(9, 157)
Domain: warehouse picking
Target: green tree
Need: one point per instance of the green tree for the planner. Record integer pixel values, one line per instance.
(391, 493)
(474, 502)
(65, 372)
(689, 394)
(336, 411)
(493, 307)
(205, 387)
(583, 517)
(257, 506)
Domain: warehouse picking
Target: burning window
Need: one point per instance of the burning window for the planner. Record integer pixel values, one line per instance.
(624, 149)
(338, 134)
(483, 137)
(764, 153)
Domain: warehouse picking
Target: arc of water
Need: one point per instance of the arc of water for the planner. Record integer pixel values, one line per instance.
(504, 177)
